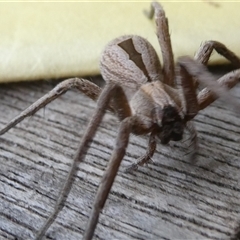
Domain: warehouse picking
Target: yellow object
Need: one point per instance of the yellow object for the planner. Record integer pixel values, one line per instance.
(45, 40)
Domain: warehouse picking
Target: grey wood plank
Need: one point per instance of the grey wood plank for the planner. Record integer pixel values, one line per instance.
(170, 198)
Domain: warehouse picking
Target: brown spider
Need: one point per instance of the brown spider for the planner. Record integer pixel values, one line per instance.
(146, 98)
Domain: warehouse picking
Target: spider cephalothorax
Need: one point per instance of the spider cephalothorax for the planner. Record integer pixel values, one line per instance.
(145, 98)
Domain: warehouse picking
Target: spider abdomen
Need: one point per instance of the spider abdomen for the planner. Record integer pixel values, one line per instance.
(130, 61)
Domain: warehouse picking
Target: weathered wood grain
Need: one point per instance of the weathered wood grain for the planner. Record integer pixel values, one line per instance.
(171, 198)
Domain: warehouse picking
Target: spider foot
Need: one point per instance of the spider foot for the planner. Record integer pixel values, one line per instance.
(131, 168)
(140, 162)
(192, 156)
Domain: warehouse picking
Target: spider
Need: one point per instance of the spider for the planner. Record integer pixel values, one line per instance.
(147, 99)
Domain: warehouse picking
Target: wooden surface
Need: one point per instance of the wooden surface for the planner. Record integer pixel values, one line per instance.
(168, 199)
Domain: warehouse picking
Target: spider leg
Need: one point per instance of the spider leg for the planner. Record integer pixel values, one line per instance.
(123, 111)
(190, 103)
(120, 104)
(205, 51)
(127, 126)
(186, 81)
(147, 156)
(83, 85)
(103, 101)
(109, 176)
(192, 153)
(214, 89)
(164, 42)
(206, 96)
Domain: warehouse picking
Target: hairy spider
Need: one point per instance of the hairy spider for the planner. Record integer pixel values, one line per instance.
(147, 99)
